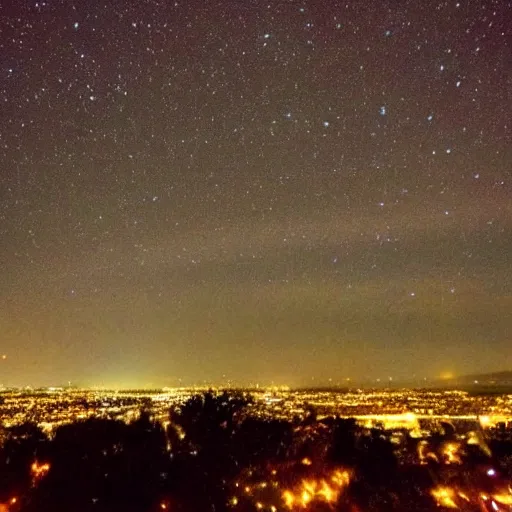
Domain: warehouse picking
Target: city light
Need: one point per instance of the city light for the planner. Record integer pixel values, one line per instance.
(39, 470)
(443, 428)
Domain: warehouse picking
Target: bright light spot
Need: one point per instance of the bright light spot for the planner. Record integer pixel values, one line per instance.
(39, 470)
(288, 498)
(382, 110)
(324, 490)
(75, 26)
(504, 499)
(485, 421)
(410, 417)
(450, 451)
(491, 472)
(306, 498)
(444, 496)
(326, 123)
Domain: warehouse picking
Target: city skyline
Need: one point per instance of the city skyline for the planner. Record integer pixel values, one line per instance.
(278, 192)
(500, 380)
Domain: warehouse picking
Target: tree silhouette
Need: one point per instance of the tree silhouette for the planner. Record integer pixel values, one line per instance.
(343, 449)
(103, 465)
(260, 441)
(216, 446)
(23, 445)
(202, 433)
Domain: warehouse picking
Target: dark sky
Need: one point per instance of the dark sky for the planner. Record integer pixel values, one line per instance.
(284, 191)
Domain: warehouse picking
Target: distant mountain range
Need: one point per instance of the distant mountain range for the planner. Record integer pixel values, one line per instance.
(483, 379)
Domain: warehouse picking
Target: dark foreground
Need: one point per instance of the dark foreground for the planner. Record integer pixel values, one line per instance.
(213, 455)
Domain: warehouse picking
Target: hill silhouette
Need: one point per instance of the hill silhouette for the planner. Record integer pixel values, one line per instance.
(501, 378)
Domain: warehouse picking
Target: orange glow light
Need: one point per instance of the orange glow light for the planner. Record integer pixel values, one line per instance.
(39, 470)
(320, 490)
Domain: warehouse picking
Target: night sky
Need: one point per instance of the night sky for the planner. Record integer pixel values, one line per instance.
(276, 191)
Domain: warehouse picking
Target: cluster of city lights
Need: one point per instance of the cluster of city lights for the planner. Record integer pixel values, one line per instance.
(287, 489)
(453, 498)
(448, 453)
(312, 490)
(307, 483)
(39, 470)
(396, 408)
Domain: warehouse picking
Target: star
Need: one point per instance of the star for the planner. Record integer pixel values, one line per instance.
(254, 180)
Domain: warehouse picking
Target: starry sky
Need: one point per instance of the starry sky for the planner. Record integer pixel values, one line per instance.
(255, 191)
